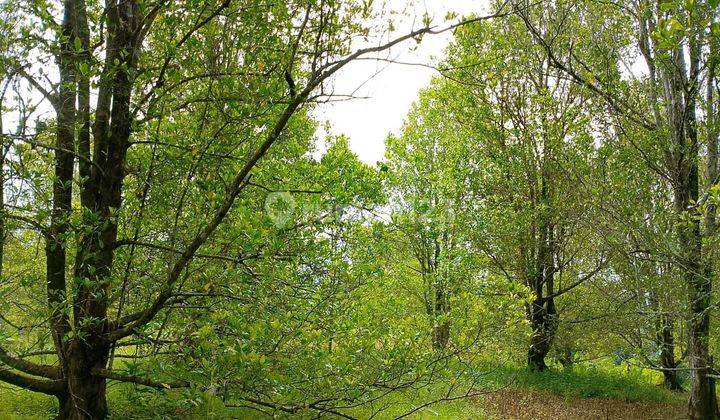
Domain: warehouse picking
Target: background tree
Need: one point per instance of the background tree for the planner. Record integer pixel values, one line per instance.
(673, 39)
(430, 174)
(529, 150)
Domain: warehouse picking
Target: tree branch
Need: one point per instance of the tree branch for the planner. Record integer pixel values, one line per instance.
(44, 386)
(243, 176)
(617, 104)
(135, 379)
(15, 362)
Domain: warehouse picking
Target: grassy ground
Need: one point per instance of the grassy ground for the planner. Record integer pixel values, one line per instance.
(534, 405)
(602, 391)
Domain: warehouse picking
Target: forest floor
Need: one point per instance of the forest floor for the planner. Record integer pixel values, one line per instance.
(534, 405)
(602, 391)
(516, 404)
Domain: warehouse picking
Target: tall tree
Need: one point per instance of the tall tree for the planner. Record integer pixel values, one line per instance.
(236, 73)
(431, 169)
(533, 219)
(672, 38)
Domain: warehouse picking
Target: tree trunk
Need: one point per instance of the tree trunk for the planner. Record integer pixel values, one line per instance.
(441, 327)
(537, 352)
(441, 335)
(666, 343)
(88, 402)
(86, 392)
(542, 320)
(82, 356)
(703, 401)
(567, 358)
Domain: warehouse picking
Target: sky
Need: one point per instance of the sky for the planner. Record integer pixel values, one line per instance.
(385, 91)
(385, 99)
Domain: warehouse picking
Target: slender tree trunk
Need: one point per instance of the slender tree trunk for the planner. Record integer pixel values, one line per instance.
(441, 327)
(666, 343)
(566, 357)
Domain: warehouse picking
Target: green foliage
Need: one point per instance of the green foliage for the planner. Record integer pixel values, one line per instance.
(518, 181)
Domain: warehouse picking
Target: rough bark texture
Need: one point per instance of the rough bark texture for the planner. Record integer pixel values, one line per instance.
(86, 397)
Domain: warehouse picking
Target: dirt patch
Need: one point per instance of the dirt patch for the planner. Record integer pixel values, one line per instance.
(515, 404)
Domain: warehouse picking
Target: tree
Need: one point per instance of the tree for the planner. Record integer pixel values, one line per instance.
(535, 155)
(675, 40)
(430, 172)
(239, 75)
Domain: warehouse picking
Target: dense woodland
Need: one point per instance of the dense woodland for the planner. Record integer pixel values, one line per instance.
(177, 242)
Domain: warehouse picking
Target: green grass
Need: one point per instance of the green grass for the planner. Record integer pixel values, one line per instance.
(20, 404)
(601, 379)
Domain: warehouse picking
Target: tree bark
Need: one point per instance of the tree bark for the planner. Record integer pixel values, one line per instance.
(543, 319)
(542, 313)
(86, 392)
(703, 400)
(666, 343)
(441, 327)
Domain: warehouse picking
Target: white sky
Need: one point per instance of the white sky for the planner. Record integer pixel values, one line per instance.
(385, 98)
(367, 122)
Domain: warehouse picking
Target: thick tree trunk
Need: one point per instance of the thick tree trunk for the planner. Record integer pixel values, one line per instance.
(86, 391)
(536, 353)
(88, 402)
(703, 399)
(543, 321)
(540, 344)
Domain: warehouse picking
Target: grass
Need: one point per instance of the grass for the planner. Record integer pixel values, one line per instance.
(602, 379)
(20, 404)
(600, 387)
(601, 383)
